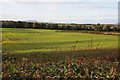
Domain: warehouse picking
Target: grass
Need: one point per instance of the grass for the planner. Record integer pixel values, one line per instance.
(16, 40)
(56, 57)
(52, 54)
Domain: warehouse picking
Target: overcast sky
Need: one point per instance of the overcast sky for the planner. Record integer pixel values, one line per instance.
(77, 11)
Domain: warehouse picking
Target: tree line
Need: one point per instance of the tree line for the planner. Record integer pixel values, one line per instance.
(59, 26)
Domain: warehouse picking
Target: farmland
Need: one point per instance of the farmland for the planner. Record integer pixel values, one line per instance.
(60, 40)
(41, 40)
(55, 54)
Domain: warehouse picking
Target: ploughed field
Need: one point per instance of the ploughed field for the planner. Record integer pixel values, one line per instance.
(18, 40)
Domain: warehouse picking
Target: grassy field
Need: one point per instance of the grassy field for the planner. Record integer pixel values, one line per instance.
(53, 54)
(16, 40)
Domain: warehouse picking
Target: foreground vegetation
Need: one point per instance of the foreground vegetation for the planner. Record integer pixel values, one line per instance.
(69, 69)
(75, 65)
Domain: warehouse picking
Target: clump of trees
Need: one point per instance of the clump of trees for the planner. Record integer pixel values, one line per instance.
(59, 26)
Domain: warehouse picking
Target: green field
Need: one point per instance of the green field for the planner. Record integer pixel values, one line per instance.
(18, 40)
(62, 55)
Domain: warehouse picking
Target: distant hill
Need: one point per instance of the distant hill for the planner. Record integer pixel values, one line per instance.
(31, 21)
